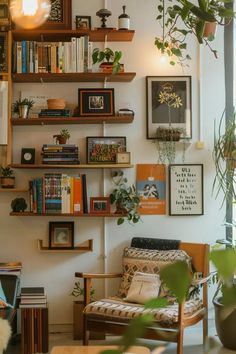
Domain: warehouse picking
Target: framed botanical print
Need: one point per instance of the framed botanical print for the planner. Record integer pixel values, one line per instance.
(60, 15)
(186, 189)
(169, 104)
(61, 235)
(103, 150)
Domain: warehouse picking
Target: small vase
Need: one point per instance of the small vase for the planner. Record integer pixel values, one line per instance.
(209, 29)
(23, 111)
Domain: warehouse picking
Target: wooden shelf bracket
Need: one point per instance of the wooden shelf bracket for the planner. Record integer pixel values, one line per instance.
(86, 246)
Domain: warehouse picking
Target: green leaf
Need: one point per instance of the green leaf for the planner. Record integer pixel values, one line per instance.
(172, 62)
(185, 11)
(156, 303)
(203, 15)
(225, 262)
(199, 30)
(159, 17)
(183, 46)
(229, 295)
(136, 329)
(177, 278)
(177, 52)
(120, 221)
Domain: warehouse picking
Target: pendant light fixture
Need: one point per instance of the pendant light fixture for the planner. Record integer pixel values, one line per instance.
(29, 14)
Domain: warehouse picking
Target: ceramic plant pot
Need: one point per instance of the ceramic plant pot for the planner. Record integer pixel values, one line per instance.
(209, 29)
(23, 111)
(7, 182)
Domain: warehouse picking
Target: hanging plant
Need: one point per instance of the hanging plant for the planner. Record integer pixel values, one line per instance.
(185, 18)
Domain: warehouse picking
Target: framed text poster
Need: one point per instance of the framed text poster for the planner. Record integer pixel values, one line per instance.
(151, 188)
(186, 189)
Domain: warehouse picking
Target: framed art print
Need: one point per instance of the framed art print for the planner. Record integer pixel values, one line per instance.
(83, 22)
(96, 102)
(60, 15)
(169, 103)
(186, 189)
(99, 205)
(103, 150)
(61, 235)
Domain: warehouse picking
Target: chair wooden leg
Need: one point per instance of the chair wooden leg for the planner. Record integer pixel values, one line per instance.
(180, 341)
(85, 332)
(205, 328)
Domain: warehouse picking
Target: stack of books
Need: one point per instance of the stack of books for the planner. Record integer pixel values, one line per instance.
(60, 154)
(59, 113)
(11, 268)
(59, 193)
(33, 297)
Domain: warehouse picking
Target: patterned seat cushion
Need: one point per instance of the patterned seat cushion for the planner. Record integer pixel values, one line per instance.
(148, 261)
(116, 308)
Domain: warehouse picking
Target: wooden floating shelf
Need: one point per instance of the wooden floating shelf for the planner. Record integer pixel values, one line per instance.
(73, 77)
(85, 247)
(90, 215)
(73, 120)
(44, 166)
(15, 190)
(95, 35)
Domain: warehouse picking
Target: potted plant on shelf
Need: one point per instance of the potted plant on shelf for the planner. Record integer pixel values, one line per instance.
(62, 137)
(22, 107)
(7, 178)
(185, 18)
(110, 60)
(125, 198)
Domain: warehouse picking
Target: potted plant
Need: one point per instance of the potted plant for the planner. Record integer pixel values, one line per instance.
(110, 60)
(22, 107)
(225, 159)
(7, 178)
(185, 18)
(125, 199)
(62, 137)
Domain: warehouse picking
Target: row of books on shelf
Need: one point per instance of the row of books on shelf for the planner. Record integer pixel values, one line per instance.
(53, 57)
(11, 268)
(54, 113)
(59, 193)
(33, 297)
(60, 154)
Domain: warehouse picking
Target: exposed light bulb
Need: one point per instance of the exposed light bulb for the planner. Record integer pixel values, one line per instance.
(29, 14)
(163, 58)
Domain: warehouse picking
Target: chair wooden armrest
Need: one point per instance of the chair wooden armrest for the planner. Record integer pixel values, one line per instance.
(88, 282)
(97, 275)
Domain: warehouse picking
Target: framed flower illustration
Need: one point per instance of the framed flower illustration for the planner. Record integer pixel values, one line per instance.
(169, 104)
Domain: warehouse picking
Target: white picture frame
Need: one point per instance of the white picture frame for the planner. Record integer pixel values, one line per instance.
(186, 189)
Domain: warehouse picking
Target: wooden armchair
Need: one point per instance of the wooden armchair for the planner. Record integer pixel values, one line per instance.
(112, 315)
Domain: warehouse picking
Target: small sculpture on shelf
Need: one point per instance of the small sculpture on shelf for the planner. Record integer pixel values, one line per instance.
(18, 205)
(7, 178)
(62, 137)
(103, 13)
(22, 107)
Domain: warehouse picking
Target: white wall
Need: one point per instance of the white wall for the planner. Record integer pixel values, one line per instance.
(18, 235)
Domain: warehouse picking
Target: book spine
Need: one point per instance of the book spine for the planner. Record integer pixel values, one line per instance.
(24, 57)
(85, 197)
(19, 57)
(86, 40)
(77, 195)
(73, 54)
(90, 59)
(82, 54)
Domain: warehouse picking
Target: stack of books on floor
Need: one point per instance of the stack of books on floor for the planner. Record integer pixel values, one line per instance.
(60, 154)
(58, 113)
(58, 193)
(33, 297)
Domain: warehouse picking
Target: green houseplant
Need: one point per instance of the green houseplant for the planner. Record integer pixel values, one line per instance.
(7, 178)
(109, 59)
(125, 198)
(185, 18)
(62, 137)
(22, 107)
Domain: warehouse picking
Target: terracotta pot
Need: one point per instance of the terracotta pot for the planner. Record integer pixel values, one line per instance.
(108, 67)
(7, 182)
(56, 103)
(60, 139)
(120, 208)
(225, 324)
(209, 29)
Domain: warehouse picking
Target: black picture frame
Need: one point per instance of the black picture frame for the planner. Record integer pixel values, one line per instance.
(61, 235)
(27, 156)
(103, 150)
(96, 102)
(82, 22)
(60, 16)
(186, 194)
(99, 205)
(159, 114)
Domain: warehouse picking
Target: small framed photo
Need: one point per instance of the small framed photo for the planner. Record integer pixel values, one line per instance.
(186, 189)
(27, 156)
(99, 205)
(123, 157)
(169, 103)
(82, 22)
(103, 150)
(61, 235)
(96, 102)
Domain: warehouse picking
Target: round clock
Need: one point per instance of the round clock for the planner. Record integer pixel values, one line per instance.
(27, 156)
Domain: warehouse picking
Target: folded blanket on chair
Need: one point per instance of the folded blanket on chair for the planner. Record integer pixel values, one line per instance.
(155, 243)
